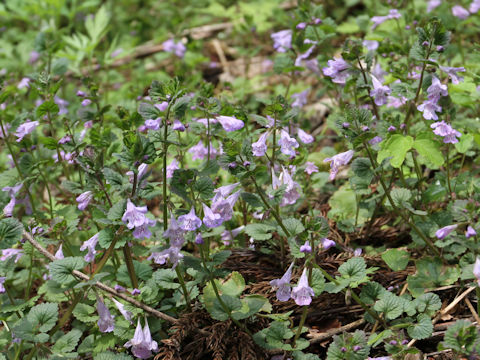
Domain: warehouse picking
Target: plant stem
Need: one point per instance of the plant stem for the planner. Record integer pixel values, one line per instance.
(165, 148)
(130, 267)
(184, 287)
(447, 165)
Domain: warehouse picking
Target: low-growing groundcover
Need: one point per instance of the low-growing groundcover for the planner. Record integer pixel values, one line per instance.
(221, 179)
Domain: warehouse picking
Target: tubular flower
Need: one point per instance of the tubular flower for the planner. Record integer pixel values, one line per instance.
(339, 160)
(283, 285)
(302, 293)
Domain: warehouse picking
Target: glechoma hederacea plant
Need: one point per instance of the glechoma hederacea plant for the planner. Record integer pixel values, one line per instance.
(150, 210)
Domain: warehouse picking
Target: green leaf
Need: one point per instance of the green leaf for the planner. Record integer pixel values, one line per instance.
(390, 305)
(233, 286)
(47, 107)
(354, 270)
(462, 337)
(396, 148)
(96, 26)
(43, 316)
(396, 259)
(318, 281)
(293, 226)
(371, 292)
(219, 313)
(251, 304)
(61, 269)
(104, 342)
(116, 211)
(362, 167)
(259, 231)
(165, 278)
(67, 342)
(401, 197)
(85, 313)
(204, 186)
(431, 273)
(421, 330)
(428, 303)
(11, 231)
(465, 143)
(113, 178)
(430, 150)
(142, 270)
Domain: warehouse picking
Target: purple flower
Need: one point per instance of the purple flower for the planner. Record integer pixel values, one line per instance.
(12, 192)
(379, 92)
(106, 322)
(162, 106)
(327, 243)
(429, 109)
(283, 285)
(80, 93)
(337, 69)
(474, 6)
(448, 133)
(25, 129)
(172, 254)
(306, 248)
(143, 231)
(470, 232)
(301, 99)
(142, 343)
(190, 221)
(301, 26)
(377, 20)
(291, 195)
(436, 90)
(174, 233)
(126, 314)
(25, 82)
(371, 45)
(178, 126)
(339, 160)
(228, 235)
(135, 292)
(62, 105)
(396, 102)
(174, 165)
(476, 270)
(2, 281)
(433, 4)
(153, 124)
(391, 128)
(119, 288)
(210, 219)
(8, 253)
(259, 148)
(452, 73)
(200, 151)
(375, 140)
(310, 168)
(175, 48)
(230, 123)
(302, 293)
(445, 231)
(282, 40)
(59, 253)
(134, 216)
(460, 12)
(287, 143)
(357, 252)
(90, 245)
(305, 137)
(86, 102)
(199, 239)
(357, 348)
(301, 57)
(84, 199)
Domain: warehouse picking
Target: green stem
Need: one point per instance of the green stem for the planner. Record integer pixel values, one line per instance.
(447, 165)
(50, 201)
(165, 148)
(184, 287)
(30, 268)
(130, 267)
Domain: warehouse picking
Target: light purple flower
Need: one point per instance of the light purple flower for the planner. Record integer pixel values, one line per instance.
(106, 321)
(448, 133)
(135, 292)
(474, 6)
(282, 40)
(81, 93)
(391, 128)
(445, 231)
(287, 144)
(174, 165)
(429, 109)
(153, 124)
(199, 239)
(306, 248)
(379, 92)
(371, 45)
(230, 123)
(476, 270)
(25, 129)
(162, 106)
(460, 12)
(143, 231)
(377, 20)
(375, 140)
(310, 168)
(291, 194)
(126, 314)
(357, 252)
(283, 285)
(433, 4)
(59, 253)
(339, 160)
(8, 253)
(86, 102)
(174, 233)
(25, 82)
(62, 105)
(90, 245)
(327, 243)
(259, 148)
(2, 281)
(175, 48)
(301, 25)
(84, 199)
(190, 221)
(302, 293)
(171, 254)
(119, 288)
(305, 137)
(142, 343)
(452, 73)
(200, 151)
(211, 219)
(436, 90)
(227, 236)
(337, 69)
(396, 102)
(304, 56)
(470, 232)
(134, 216)
(12, 192)
(178, 126)
(300, 99)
